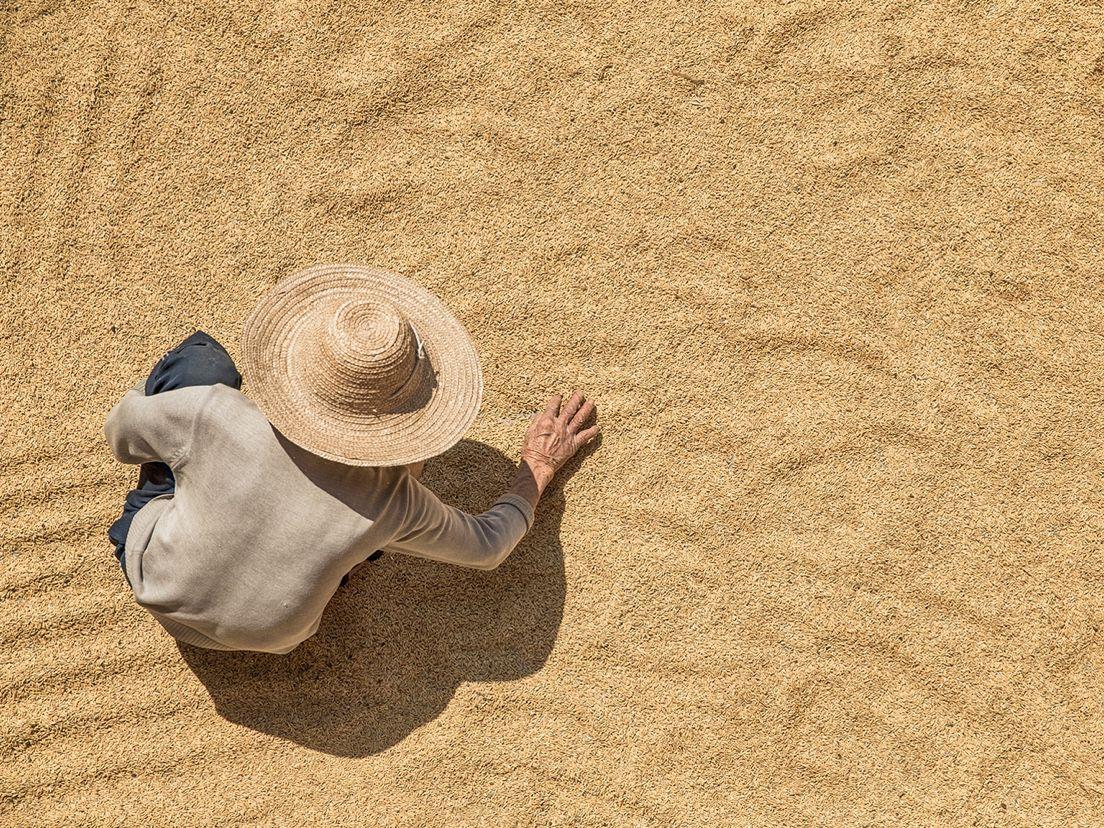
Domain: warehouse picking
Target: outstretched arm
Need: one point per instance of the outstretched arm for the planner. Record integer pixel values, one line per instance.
(434, 530)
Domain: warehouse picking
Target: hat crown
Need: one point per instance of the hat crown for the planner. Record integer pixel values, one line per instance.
(360, 366)
(368, 354)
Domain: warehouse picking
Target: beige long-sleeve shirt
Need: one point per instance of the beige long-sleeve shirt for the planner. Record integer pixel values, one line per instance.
(250, 548)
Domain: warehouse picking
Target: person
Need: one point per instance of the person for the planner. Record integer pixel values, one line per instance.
(250, 511)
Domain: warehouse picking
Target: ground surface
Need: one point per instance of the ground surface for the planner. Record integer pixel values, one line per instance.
(833, 273)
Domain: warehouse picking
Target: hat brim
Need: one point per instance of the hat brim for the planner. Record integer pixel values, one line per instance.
(272, 342)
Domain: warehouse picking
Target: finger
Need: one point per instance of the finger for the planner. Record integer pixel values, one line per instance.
(552, 405)
(572, 406)
(584, 413)
(586, 435)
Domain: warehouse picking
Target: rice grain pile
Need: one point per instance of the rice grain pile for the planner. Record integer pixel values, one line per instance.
(832, 273)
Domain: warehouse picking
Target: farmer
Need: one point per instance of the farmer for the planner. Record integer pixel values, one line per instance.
(250, 511)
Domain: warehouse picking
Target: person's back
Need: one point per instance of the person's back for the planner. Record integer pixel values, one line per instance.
(245, 536)
(253, 543)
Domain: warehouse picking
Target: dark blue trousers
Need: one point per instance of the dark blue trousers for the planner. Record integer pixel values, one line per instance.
(198, 360)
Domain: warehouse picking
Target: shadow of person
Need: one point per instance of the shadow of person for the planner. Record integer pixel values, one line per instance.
(396, 642)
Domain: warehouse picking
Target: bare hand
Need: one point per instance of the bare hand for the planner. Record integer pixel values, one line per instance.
(555, 435)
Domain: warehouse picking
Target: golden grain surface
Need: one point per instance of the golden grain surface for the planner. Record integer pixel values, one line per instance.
(833, 274)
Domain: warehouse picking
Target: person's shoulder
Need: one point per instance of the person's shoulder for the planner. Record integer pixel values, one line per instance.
(224, 413)
(229, 408)
(200, 402)
(223, 397)
(198, 396)
(224, 391)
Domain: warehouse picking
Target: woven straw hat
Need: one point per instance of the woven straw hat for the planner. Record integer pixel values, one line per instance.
(361, 366)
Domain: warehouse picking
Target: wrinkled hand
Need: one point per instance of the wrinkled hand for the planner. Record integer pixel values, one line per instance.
(556, 433)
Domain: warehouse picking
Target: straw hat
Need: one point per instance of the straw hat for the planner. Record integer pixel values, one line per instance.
(359, 365)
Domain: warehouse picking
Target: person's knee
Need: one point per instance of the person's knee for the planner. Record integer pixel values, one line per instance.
(198, 360)
(201, 338)
(207, 366)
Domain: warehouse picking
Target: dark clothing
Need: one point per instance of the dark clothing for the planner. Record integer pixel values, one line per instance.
(198, 360)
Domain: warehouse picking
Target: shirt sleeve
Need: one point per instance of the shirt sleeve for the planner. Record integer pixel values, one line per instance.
(435, 530)
(143, 429)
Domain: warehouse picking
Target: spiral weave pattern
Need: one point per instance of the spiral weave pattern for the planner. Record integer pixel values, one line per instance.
(362, 366)
(366, 358)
